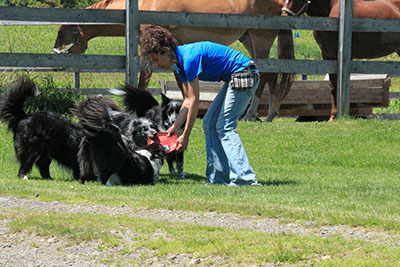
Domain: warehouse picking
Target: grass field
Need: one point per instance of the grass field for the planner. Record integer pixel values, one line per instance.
(342, 173)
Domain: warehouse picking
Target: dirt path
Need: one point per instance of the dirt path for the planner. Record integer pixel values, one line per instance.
(20, 248)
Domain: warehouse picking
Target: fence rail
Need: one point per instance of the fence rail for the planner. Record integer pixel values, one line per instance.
(35, 16)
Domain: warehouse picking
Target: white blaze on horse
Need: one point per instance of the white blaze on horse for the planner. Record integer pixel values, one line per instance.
(365, 45)
(74, 38)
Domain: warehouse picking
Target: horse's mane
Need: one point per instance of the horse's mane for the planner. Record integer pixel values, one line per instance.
(100, 5)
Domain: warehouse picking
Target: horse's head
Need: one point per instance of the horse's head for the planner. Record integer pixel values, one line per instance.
(295, 7)
(70, 39)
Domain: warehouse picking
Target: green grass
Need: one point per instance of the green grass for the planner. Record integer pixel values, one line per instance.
(166, 238)
(332, 173)
(335, 173)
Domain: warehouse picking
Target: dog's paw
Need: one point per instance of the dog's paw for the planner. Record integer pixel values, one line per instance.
(173, 172)
(182, 175)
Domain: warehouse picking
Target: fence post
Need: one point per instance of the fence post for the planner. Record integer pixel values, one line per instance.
(77, 80)
(344, 57)
(131, 42)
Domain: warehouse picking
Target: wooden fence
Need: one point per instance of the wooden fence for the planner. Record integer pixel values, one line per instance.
(345, 24)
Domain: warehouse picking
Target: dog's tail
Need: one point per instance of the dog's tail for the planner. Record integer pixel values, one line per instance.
(94, 114)
(138, 100)
(12, 102)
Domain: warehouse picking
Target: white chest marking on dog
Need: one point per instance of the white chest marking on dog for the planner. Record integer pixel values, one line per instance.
(114, 180)
(155, 164)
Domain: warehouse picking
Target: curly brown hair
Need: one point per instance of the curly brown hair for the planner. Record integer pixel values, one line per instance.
(157, 40)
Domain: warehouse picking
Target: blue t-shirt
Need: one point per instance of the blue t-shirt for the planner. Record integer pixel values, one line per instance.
(208, 61)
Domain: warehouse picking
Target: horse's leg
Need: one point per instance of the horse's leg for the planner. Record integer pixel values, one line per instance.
(258, 43)
(278, 92)
(333, 85)
(251, 113)
(262, 44)
(144, 78)
(333, 89)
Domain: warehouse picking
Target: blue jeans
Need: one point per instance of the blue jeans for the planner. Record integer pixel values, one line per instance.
(227, 162)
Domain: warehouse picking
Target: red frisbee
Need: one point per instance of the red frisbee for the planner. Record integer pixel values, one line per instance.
(165, 140)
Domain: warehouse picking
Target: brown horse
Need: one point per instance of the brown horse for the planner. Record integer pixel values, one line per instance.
(74, 38)
(365, 45)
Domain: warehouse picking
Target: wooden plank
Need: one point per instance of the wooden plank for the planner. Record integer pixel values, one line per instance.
(321, 96)
(96, 62)
(320, 67)
(237, 21)
(375, 67)
(306, 98)
(62, 15)
(131, 42)
(310, 67)
(344, 58)
(394, 95)
(77, 80)
(316, 84)
(97, 16)
(299, 94)
(375, 25)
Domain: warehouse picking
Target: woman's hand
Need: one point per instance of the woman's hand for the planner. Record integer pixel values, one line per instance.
(182, 143)
(172, 130)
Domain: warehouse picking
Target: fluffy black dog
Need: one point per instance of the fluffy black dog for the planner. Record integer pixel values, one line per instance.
(104, 148)
(42, 137)
(145, 105)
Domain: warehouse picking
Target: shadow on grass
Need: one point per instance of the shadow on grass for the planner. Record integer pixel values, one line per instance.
(278, 182)
(169, 179)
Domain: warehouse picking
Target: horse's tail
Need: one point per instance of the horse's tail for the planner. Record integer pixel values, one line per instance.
(285, 51)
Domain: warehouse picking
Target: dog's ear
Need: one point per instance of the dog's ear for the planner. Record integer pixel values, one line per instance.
(164, 99)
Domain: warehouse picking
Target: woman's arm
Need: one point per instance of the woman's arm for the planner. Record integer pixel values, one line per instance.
(188, 113)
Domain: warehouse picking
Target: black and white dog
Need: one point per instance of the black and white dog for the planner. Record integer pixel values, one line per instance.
(135, 131)
(145, 105)
(104, 148)
(41, 137)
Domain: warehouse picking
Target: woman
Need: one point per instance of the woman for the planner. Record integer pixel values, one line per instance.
(227, 162)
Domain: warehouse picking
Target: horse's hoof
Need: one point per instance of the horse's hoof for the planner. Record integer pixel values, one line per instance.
(250, 117)
(271, 117)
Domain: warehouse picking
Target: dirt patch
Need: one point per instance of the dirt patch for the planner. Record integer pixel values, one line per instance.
(22, 249)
